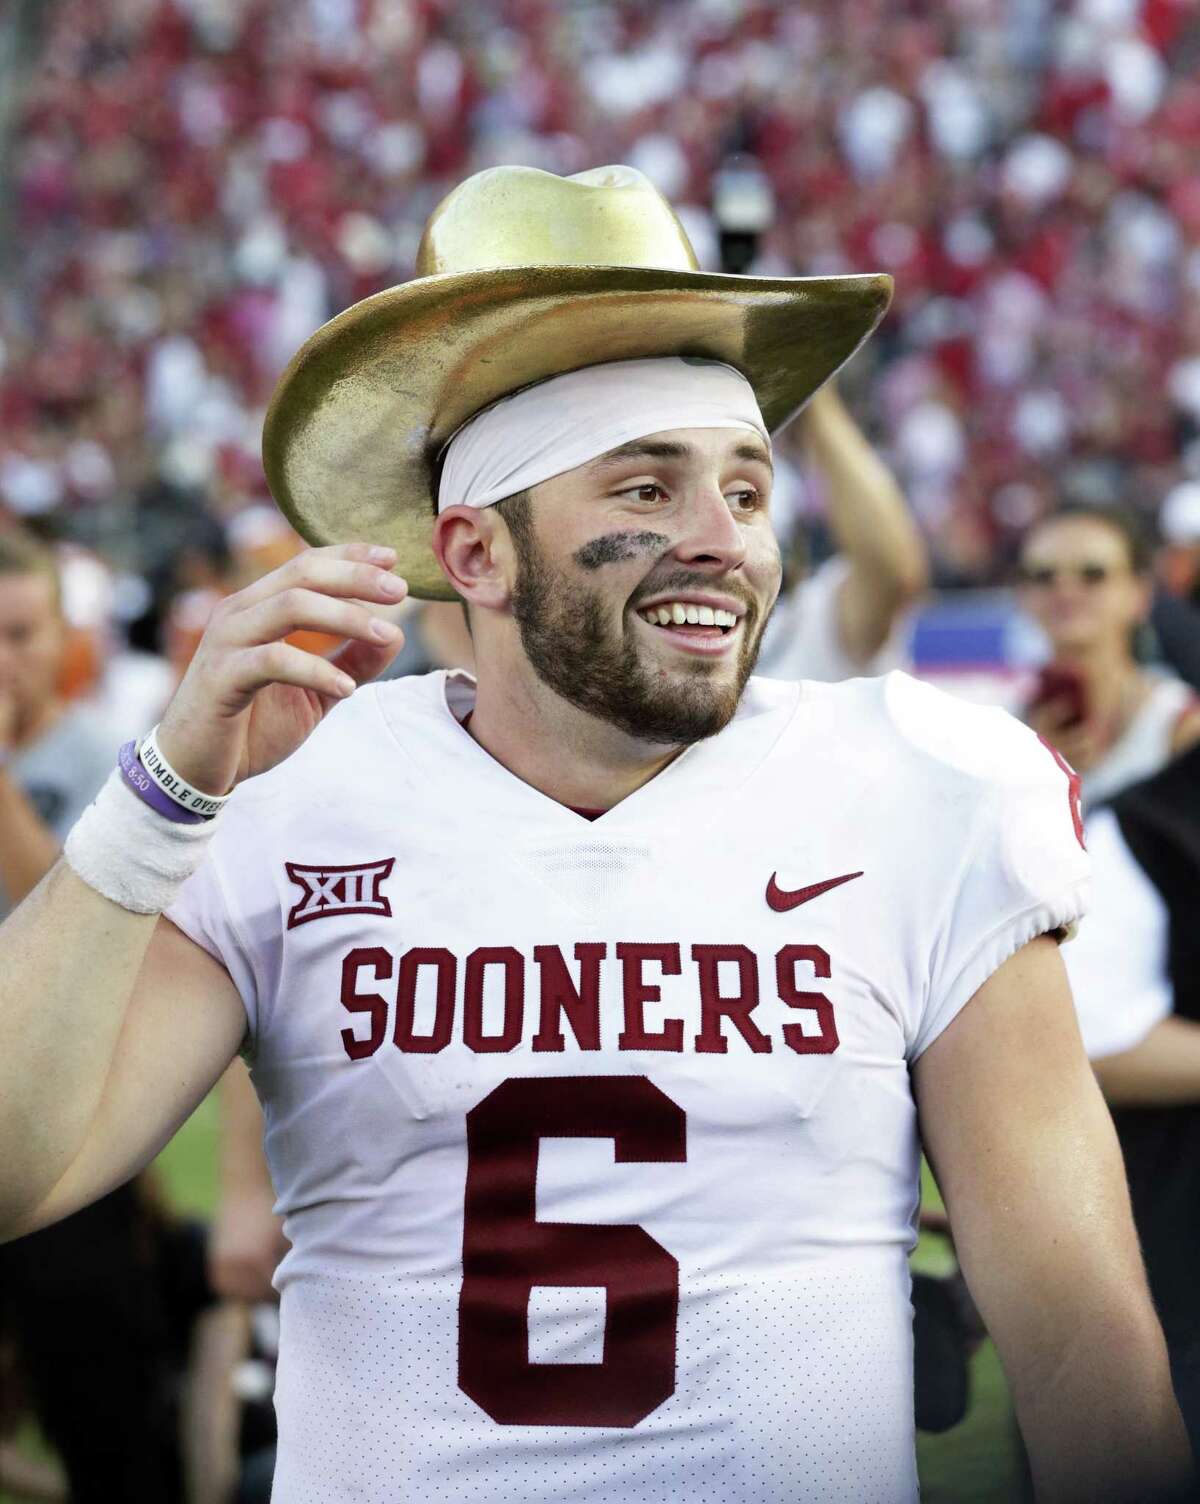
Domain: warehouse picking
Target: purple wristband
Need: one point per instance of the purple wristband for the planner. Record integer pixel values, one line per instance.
(149, 792)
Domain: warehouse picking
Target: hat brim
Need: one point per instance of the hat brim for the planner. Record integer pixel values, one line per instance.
(353, 432)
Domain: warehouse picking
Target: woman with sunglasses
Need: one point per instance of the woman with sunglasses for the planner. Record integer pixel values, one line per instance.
(1085, 579)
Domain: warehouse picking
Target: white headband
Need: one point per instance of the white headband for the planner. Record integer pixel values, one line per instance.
(551, 428)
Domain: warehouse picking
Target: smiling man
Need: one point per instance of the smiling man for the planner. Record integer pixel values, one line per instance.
(591, 1002)
(604, 667)
(641, 609)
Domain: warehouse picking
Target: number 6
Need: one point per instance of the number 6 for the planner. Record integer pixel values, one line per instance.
(507, 1251)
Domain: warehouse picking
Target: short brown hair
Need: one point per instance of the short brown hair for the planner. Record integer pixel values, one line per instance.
(22, 553)
(1133, 531)
(515, 511)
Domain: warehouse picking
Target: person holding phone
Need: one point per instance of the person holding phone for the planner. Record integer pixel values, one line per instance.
(1085, 579)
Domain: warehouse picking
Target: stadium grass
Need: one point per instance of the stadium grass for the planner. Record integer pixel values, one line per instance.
(972, 1464)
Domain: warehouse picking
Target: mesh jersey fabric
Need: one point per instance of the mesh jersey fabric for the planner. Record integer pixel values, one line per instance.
(594, 1140)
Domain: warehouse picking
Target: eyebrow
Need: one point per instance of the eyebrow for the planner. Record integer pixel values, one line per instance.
(667, 449)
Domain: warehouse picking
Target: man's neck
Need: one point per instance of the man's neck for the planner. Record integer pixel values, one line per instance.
(564, 752)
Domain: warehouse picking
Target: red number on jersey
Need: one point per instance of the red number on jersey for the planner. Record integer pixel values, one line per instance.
(507, 1251)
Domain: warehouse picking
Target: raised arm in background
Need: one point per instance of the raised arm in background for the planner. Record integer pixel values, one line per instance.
(871, 523)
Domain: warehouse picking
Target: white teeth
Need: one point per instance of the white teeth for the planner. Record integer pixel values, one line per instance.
(678, 613)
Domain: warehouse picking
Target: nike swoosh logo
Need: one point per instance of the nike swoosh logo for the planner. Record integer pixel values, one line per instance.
(781, 899)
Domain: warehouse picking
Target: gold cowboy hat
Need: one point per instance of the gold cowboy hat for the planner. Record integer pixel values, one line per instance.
(523, 275)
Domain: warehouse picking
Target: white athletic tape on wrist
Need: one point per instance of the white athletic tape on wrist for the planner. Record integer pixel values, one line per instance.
(177, 788)
(131, 854)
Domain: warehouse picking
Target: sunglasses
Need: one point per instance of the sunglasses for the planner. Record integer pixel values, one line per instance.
(1046, 575)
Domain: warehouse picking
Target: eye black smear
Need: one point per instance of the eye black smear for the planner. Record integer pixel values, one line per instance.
(614, 547)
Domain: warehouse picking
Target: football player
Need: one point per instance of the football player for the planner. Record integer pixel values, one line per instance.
(594, 1002)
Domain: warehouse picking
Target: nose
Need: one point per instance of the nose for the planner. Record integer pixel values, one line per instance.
(1068, 590)
(712, 537)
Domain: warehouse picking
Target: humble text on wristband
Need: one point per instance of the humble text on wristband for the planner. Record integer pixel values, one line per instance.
(139, 782)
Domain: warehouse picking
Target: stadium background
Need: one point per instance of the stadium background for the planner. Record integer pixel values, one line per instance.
(189, 187)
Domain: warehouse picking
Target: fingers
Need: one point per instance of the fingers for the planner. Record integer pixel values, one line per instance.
(1079, 750)
(1048, 715)
(1058, 721)
(364, 660)
(361, 571)
(279, 663)
(327, 590)
(298, 608)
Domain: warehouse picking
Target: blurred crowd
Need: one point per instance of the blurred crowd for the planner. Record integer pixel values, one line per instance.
(195, 185)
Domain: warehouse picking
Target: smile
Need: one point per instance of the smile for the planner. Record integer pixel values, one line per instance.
(684, 613)
(692, 627)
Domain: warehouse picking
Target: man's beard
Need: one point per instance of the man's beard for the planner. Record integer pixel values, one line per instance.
(566, 638)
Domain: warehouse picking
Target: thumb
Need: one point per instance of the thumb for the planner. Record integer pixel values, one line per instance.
(365, 660)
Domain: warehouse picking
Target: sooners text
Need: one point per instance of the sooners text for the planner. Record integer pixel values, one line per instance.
(429, 995)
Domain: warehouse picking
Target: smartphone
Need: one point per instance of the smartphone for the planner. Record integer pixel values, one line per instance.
(1067, 686)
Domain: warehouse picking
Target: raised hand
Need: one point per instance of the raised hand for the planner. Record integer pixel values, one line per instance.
(249, 698)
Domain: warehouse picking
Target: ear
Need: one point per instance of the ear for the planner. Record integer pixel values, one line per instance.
(475, 555)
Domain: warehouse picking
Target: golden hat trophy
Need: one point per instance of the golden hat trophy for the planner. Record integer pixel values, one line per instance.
(523, 275)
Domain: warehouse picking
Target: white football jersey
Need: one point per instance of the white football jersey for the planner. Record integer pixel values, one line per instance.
(595, 1140)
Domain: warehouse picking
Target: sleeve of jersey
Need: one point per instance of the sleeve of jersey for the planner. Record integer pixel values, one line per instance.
(203, 912)
(1118, 963)
(1020, 871)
